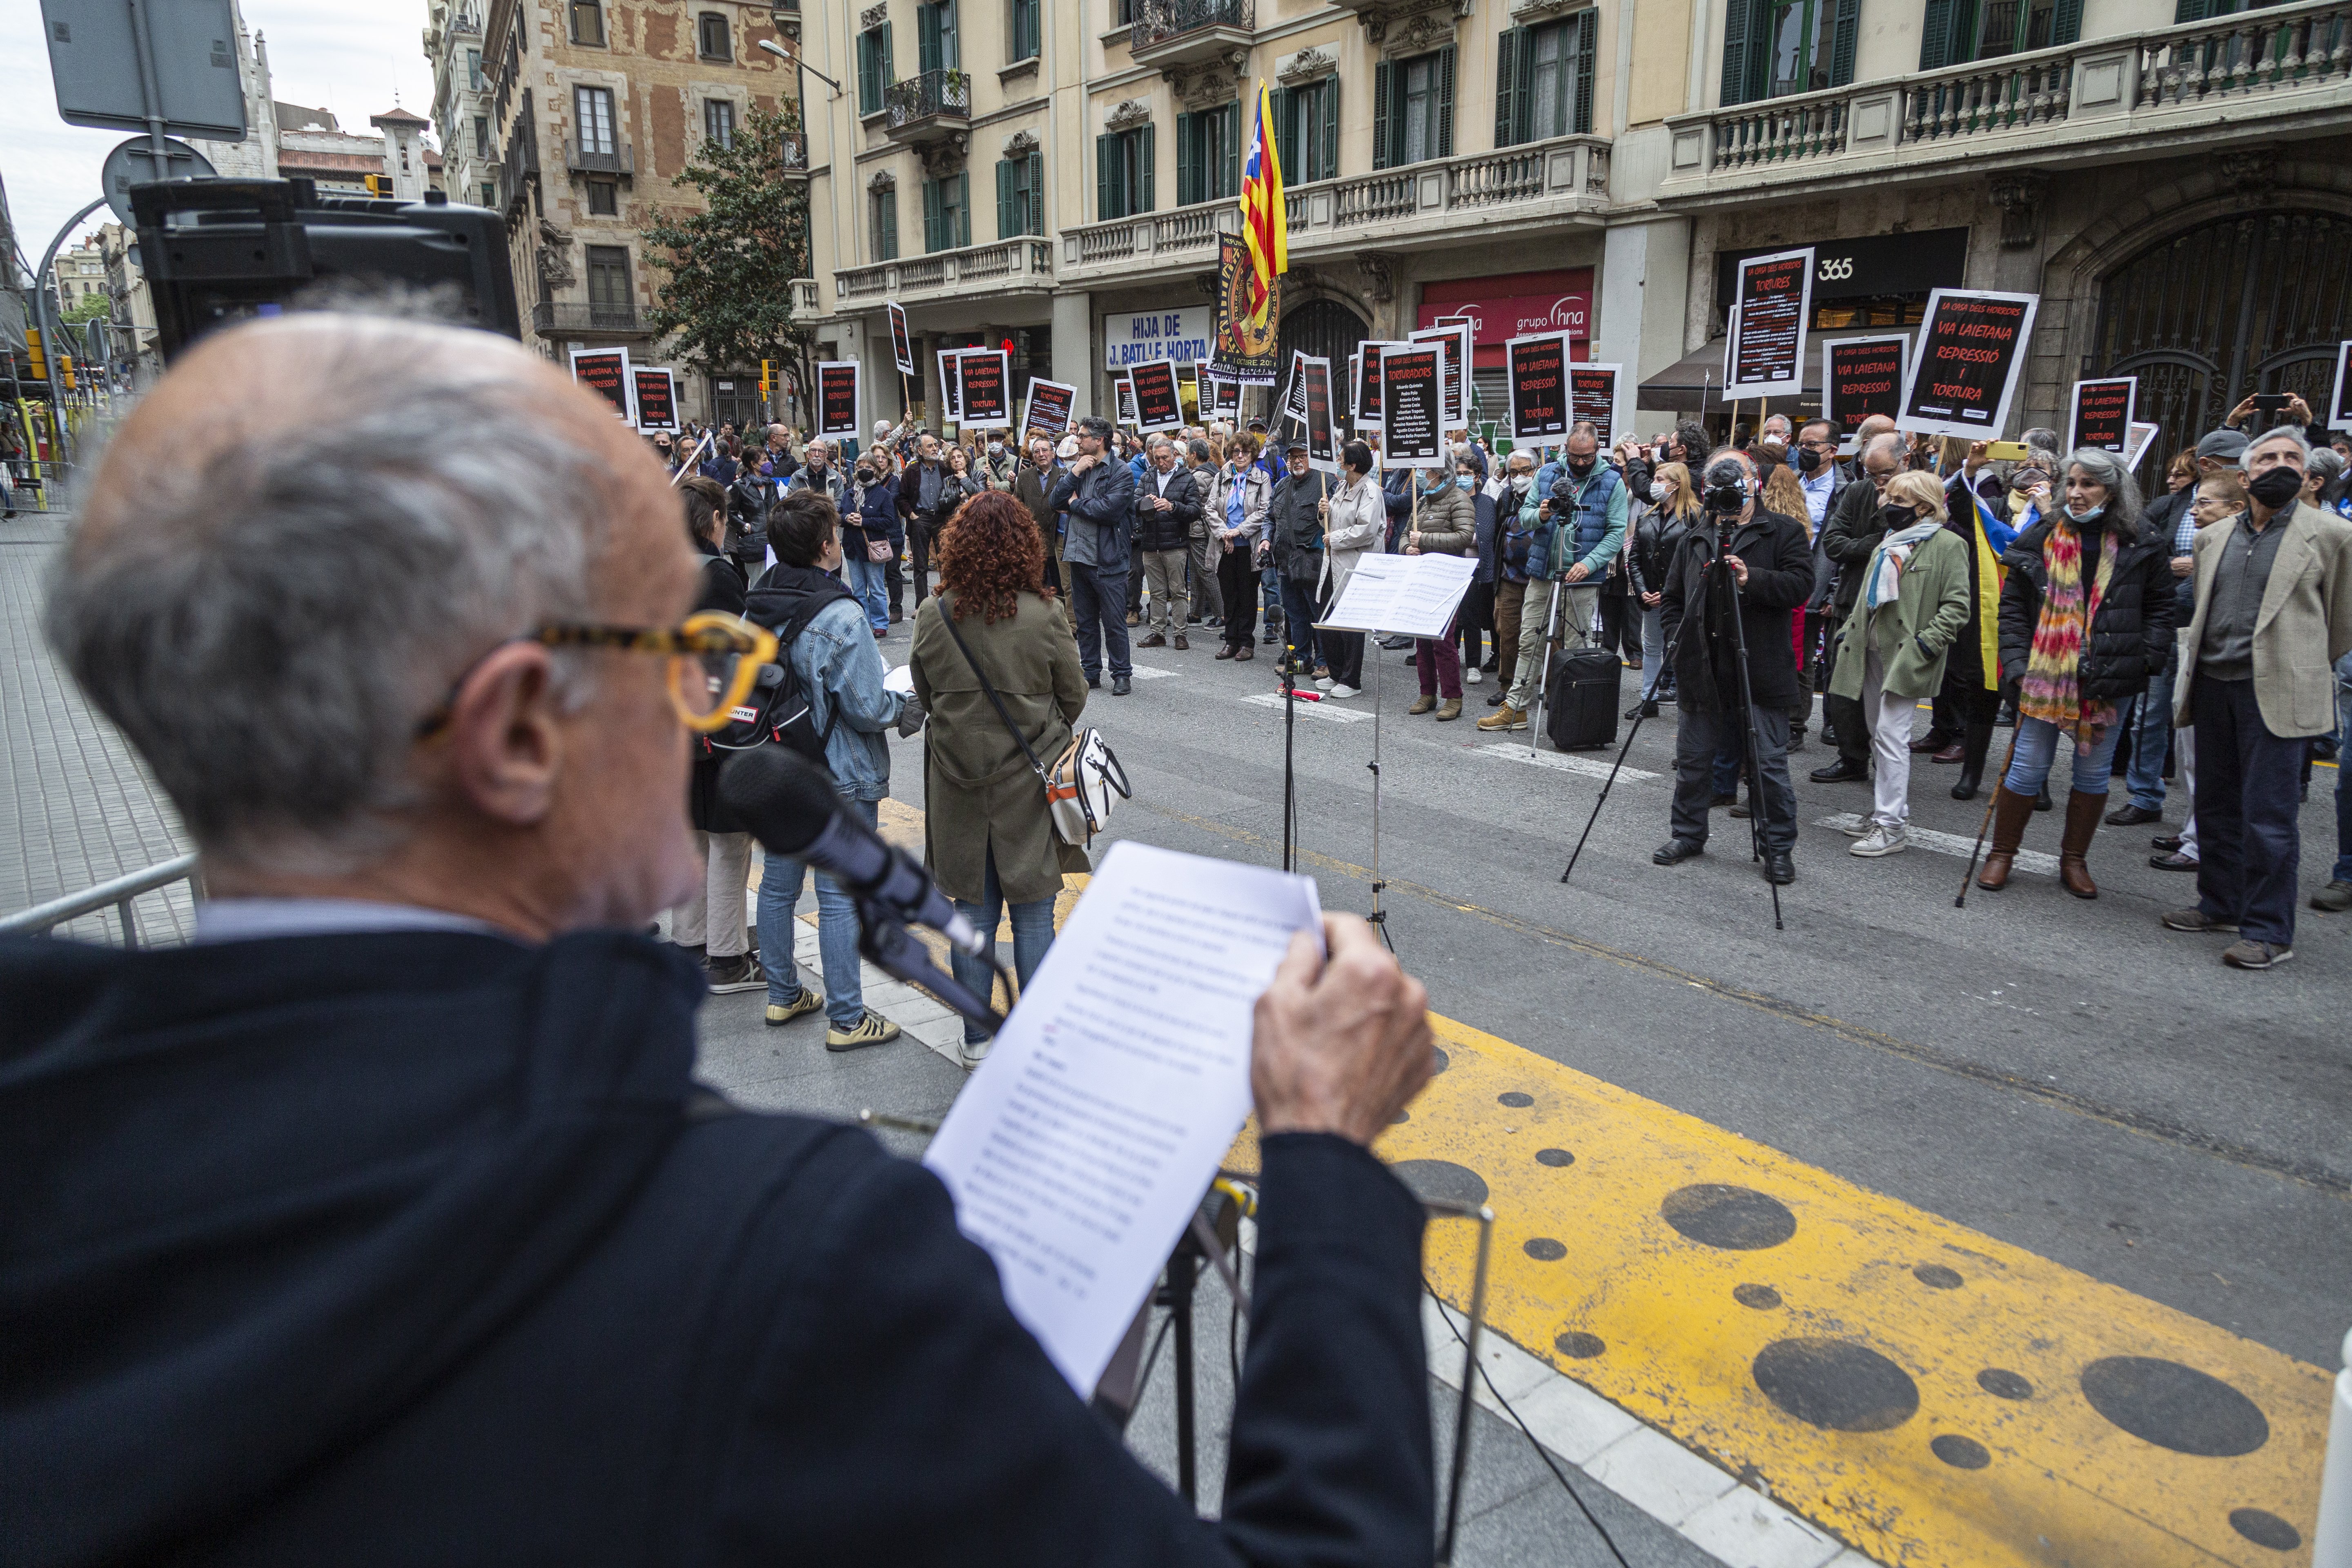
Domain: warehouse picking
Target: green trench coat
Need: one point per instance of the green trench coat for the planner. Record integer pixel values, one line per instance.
(979, 794)
(1915, 633)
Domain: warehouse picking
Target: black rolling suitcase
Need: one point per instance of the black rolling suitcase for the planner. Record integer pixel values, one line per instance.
(1580, 698)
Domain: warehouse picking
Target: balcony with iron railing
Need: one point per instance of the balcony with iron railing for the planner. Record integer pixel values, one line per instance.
(2254, 73)
(620, 158)
(1023, 265)
(1190, 32)
(1537, 183)
(556, 318)
(928, 107)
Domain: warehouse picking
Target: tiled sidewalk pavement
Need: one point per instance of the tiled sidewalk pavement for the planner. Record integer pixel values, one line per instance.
(79, 807)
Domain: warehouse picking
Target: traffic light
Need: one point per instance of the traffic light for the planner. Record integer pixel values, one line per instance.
(767, 378)
(379, 184)
(40, 360)
(65, 364)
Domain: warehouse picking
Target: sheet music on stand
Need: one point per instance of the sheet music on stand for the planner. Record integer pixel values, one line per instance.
(1411, 596)
(1082, 1145)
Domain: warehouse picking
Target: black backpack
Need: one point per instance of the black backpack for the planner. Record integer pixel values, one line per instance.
(778, 712)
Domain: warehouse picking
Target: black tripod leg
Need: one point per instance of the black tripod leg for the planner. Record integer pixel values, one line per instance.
(1665, 658)
(1757, 807)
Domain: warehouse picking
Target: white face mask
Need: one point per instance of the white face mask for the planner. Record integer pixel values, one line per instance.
(1659, 492)
(1520, 482)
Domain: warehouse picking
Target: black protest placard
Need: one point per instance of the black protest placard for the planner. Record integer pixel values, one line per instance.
(1322, 418)
(1771, 303)
(2099, 414)
(1861, 377)
(656, 399)
(984, 389)
(2339, 401)
(1223, 399)
(1971, 356)
(1592, 397)
(902, 347)
(1158, 405)
(836, 397)
(950, 403)
(1049, 408)
(1367, 395)
(1457, 336)
(1122, 392)
(1412, 405)
(1538, 368)
(605, 373)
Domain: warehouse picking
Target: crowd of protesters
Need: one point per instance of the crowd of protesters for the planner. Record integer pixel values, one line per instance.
(2198, 644)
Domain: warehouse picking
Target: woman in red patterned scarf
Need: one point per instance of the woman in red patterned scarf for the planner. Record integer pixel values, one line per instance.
(2085, 620)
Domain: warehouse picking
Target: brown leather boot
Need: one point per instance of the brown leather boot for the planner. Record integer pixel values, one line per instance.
(2009, 814)
(2082, 814)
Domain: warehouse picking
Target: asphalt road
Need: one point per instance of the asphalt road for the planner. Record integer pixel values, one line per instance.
(2063, 1075)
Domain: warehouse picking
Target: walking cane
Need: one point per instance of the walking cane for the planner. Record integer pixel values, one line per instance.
(1992, 798)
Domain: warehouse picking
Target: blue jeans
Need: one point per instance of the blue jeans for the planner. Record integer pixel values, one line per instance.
(1099, 615)
(2249, 794)
(870, 580)
(2151, 737)
(836, 935)
(1298, 621)
(1032, 933)
(2037, 751)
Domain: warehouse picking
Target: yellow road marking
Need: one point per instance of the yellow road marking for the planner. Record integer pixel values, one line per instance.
(1936, 1393)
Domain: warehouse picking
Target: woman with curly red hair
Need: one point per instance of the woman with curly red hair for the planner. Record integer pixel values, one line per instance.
(987, 837)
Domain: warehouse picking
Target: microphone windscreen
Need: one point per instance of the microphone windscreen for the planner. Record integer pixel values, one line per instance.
(783, 800)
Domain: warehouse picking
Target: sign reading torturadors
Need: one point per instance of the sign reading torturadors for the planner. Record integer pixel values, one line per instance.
(97, 48)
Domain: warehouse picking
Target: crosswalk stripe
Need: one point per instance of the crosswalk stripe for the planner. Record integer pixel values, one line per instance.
(1323, 710)
(1952, 844)
(1591, 767)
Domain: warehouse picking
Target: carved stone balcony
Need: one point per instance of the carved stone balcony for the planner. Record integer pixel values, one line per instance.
(1190, 32)
(1019, 266)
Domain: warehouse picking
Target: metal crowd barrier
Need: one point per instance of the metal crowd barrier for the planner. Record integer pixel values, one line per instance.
(42, 919)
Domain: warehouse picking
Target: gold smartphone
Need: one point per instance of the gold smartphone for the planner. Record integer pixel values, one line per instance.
(2007, 452)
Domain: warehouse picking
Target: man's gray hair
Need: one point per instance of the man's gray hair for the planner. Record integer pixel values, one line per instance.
(1890, 442)
(2284, 433)
(2326, 462)
(2108, 470)
(269, 628)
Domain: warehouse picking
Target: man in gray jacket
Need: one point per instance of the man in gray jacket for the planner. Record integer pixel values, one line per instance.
(1097, 495)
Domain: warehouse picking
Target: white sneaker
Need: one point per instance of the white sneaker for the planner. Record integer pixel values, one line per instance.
(1473, 676)
(1861, 827)
(1323, 683)
(974, 1052)
(1342, 691)
(1883, 840)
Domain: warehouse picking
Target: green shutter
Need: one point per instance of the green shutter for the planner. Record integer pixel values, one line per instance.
(889, 69)
(869, 75)
(1385, 114)
(885, 226)
(1106, 161)
(2066, 22)
(1188, 160)
(1588, 35)
(932, 217)
(1846, 31)
(927, 38)
(1509, 46)
(1233, 170)
(1008, 222)
(1944, 33)
(1146, 166)
(1444, 140)
(1735, 51)
(2182, 11)
(1328, 99)
(963, 209)
(1036, 214)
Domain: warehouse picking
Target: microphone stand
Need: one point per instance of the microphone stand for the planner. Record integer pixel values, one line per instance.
(885, 942)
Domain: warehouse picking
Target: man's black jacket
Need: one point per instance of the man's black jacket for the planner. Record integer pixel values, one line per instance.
(1171, 530)
(1850, 533)
(1779, 576)
(424, 1249)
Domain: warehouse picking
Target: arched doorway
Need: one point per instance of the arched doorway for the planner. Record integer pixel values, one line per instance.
(2254, 302)
(1323, 328)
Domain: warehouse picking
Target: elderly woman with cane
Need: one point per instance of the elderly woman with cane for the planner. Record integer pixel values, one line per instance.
(2086, 618)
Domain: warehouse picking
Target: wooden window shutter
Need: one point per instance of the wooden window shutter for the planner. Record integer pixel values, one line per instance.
(1587, 43)
(1145, 159)
(1327, 167)
(1442, 143)
(1105, 163)
(1845, 32)
(1283, 104)
(1508, 44)
(1737, 17)
(963, 209)
(1233, 160)
(1936, 24)
(1385, 117)
(1008, 222)
(1188, 160)
(2066, 22)
(1036, 214)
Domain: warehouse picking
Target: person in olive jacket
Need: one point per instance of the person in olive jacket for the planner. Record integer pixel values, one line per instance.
(987, 836)
(1746, 592)
(1442, 522)
(1910, 606)
(2085, 620)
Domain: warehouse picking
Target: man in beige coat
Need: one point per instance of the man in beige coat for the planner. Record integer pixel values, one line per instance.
(2274, 615)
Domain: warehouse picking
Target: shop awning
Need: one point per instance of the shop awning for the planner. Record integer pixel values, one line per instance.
(1696, 378)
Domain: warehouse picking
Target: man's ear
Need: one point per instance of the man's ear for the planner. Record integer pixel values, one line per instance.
(505, 735)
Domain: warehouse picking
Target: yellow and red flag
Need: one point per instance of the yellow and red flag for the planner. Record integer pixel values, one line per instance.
(1264, 225)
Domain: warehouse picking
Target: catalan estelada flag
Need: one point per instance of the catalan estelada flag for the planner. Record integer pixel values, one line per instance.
(1264, 225)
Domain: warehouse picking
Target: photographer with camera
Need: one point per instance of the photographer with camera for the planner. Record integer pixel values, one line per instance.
(1581, 512)
(387, 1222)
(1729, 589)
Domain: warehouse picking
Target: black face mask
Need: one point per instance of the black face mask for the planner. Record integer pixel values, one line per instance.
(1580, 469)
(1807, 459)
(1894, 516)
(2276, 487)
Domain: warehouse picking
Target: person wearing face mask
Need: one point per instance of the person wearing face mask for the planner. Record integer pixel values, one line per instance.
(1986, 528)
(1581, 513)
(1516, 517)
(2274, 613)
(2086, 621)
(1476, 619)
(1445, 524)
(1674, 509)
(1913, 609)
(1846, 542)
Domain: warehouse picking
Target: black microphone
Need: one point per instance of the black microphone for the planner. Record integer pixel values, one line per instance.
(793, 810)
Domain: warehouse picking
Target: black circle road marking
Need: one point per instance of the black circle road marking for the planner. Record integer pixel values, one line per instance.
(1581, 1346)
(1441, 1060)
(1515, 1099)
(1763, 1297)
(2175, 1406)
(1836, 1384)
(1555, 1158)
(1738, 1219)
(1960, 1453)
(1401, 1118)
(2265, 1529)
(1544, 1249)
(1442, 1179)
(2002, 1384)
(1937, 1276)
